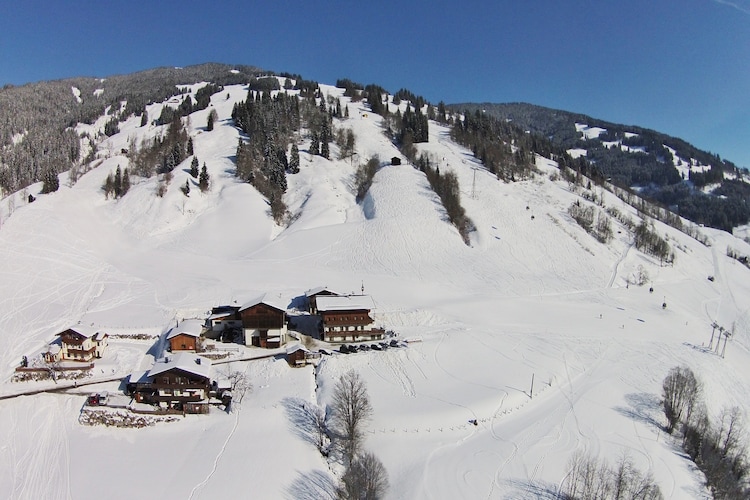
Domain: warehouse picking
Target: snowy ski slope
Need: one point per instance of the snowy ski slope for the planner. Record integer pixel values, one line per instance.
(529, 297)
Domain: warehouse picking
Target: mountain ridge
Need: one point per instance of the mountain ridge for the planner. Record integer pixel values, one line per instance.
(533, 296)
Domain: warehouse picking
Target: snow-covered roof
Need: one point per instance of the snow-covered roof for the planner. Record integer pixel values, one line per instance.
(191, 327)
(138, 377)
(262, 299)
(296, 347)
(83, 330)
(317, 290)
(220, 315)
(344, 302)
(185, 361)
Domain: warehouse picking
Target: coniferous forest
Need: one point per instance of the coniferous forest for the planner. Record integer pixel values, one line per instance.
(38, 141)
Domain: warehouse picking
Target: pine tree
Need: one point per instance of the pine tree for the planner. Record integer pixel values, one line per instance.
(203, 180)
(190, 146)
(125, 182)
(194, 167)
(144, 118)
(294, 160)
(118, 182)
(109, 186)
(186, 188)
(325, 139)
(314, 144)
(212, 116)
(51, 182)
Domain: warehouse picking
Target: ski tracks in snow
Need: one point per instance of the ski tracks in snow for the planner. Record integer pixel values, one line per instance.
(46, 461)
(203, 483)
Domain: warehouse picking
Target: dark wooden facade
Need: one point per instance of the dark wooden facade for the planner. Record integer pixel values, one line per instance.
(296, 357)
(349, 325)
(262, 316)
(182, 342)
(174, 388)
(312, 300)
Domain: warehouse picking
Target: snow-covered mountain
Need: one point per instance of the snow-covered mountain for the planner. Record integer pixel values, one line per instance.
(532, 297)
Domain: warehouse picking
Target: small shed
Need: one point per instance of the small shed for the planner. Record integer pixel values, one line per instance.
(184, 337)
(395, 160)
(295, 355)
(298, 355)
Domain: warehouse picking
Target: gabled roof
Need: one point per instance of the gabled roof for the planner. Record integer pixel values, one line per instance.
(190, 327)
(82, 330)
(261, 300)
(345, 303)
(185, 361)
(319, 289)
(296, 347)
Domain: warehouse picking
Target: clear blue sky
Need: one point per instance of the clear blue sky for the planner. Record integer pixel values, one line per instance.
(678, 66)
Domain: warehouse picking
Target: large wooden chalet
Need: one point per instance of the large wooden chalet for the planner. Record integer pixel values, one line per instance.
(81, 343)
(313, 294)
(184, 336)
(264, 324)
(347, 318)
(179, 381)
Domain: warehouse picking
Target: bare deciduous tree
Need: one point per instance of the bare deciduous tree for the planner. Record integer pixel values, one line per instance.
(592, 479)
(239, 385)
(680, 391)
(364, 479)
(351, 408)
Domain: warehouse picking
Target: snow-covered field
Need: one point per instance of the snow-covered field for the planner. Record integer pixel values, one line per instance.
(532, 297)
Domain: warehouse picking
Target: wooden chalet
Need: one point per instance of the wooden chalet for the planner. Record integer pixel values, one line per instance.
(179, 381)
(185, 336)
(347, 319)
(81, 343)
(264, 324)
(312, 297)
(299, 355)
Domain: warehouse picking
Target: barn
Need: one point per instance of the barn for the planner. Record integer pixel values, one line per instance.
(264, 323)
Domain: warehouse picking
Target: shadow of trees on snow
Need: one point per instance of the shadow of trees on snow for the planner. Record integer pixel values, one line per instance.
(303, 419)
(535, 489)
(315, 485)
(642, 407)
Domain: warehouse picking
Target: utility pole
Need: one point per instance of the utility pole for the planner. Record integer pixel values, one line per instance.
(474, 186)
(714, 326)
(718, 341)
(531, 392)
(727, 334)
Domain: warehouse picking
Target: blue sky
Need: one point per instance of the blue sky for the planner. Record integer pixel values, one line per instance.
(678, 66)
